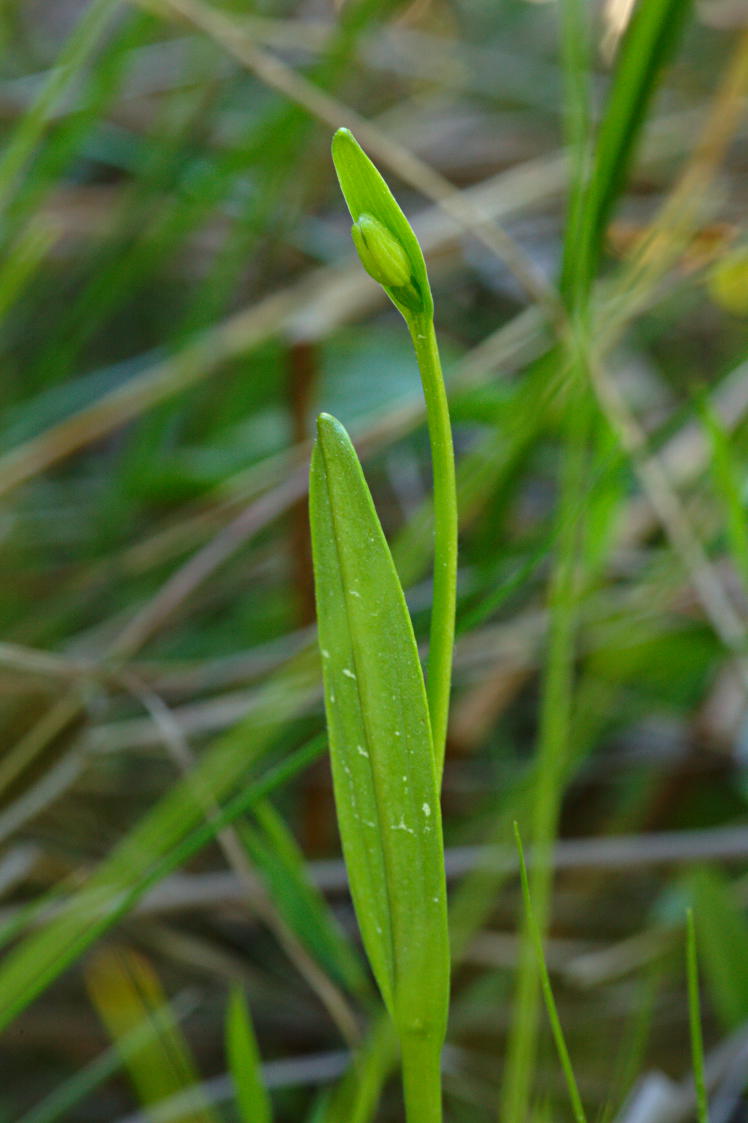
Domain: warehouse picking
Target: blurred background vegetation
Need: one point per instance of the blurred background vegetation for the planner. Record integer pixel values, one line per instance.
(179, 297)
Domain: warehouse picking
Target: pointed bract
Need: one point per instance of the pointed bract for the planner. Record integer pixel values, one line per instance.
(367, 194)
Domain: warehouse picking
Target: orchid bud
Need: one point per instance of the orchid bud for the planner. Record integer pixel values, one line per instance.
(381, 233)
(382, 255)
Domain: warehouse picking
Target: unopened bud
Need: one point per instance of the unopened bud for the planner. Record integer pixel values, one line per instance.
(382, 255)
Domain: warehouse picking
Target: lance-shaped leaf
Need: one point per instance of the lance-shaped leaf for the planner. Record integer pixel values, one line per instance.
(252, 1099)
(381, 230)
(380, 742)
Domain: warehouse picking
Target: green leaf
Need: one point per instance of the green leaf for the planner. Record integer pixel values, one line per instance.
(369, 198)
(380, 742)
(244, 1062)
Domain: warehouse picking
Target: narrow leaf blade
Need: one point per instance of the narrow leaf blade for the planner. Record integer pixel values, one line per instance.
(244, 1062)
(380, 741)
(275, 854)
(648, 44)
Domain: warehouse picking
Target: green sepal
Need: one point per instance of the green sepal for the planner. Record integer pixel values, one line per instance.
(367, 194)
(380, 742)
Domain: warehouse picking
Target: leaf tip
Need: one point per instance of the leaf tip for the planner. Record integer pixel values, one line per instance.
(331, 435)
(326, 423)
(342, 135)
(343, 142)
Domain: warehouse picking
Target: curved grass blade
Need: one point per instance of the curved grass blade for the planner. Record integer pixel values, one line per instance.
(244, 1062)
(380, 743)
(276, 856)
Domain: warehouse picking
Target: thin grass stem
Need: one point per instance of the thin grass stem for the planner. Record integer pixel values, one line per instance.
(536, 940)
(553, 743)
(694, 1017)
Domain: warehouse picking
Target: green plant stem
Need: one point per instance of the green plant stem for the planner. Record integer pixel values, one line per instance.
(545, 983)
(694, 1014)
(441, 638)
(422, 1078)
(553, 744)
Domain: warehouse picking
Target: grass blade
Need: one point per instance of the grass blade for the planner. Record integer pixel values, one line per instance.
(545, 983)
(694, 1014)
(723, 933)
(647, 44)
(244, 1062)
(275, 854)
(81, 43)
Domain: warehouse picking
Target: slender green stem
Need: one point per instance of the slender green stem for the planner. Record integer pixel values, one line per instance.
(422, 1079)
(694, 1012)
(576, 266)
(553, 747)
(441, 640)
(545, 984)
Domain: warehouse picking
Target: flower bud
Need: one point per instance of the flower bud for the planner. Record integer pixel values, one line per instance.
(384, 238)
(382, 255)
